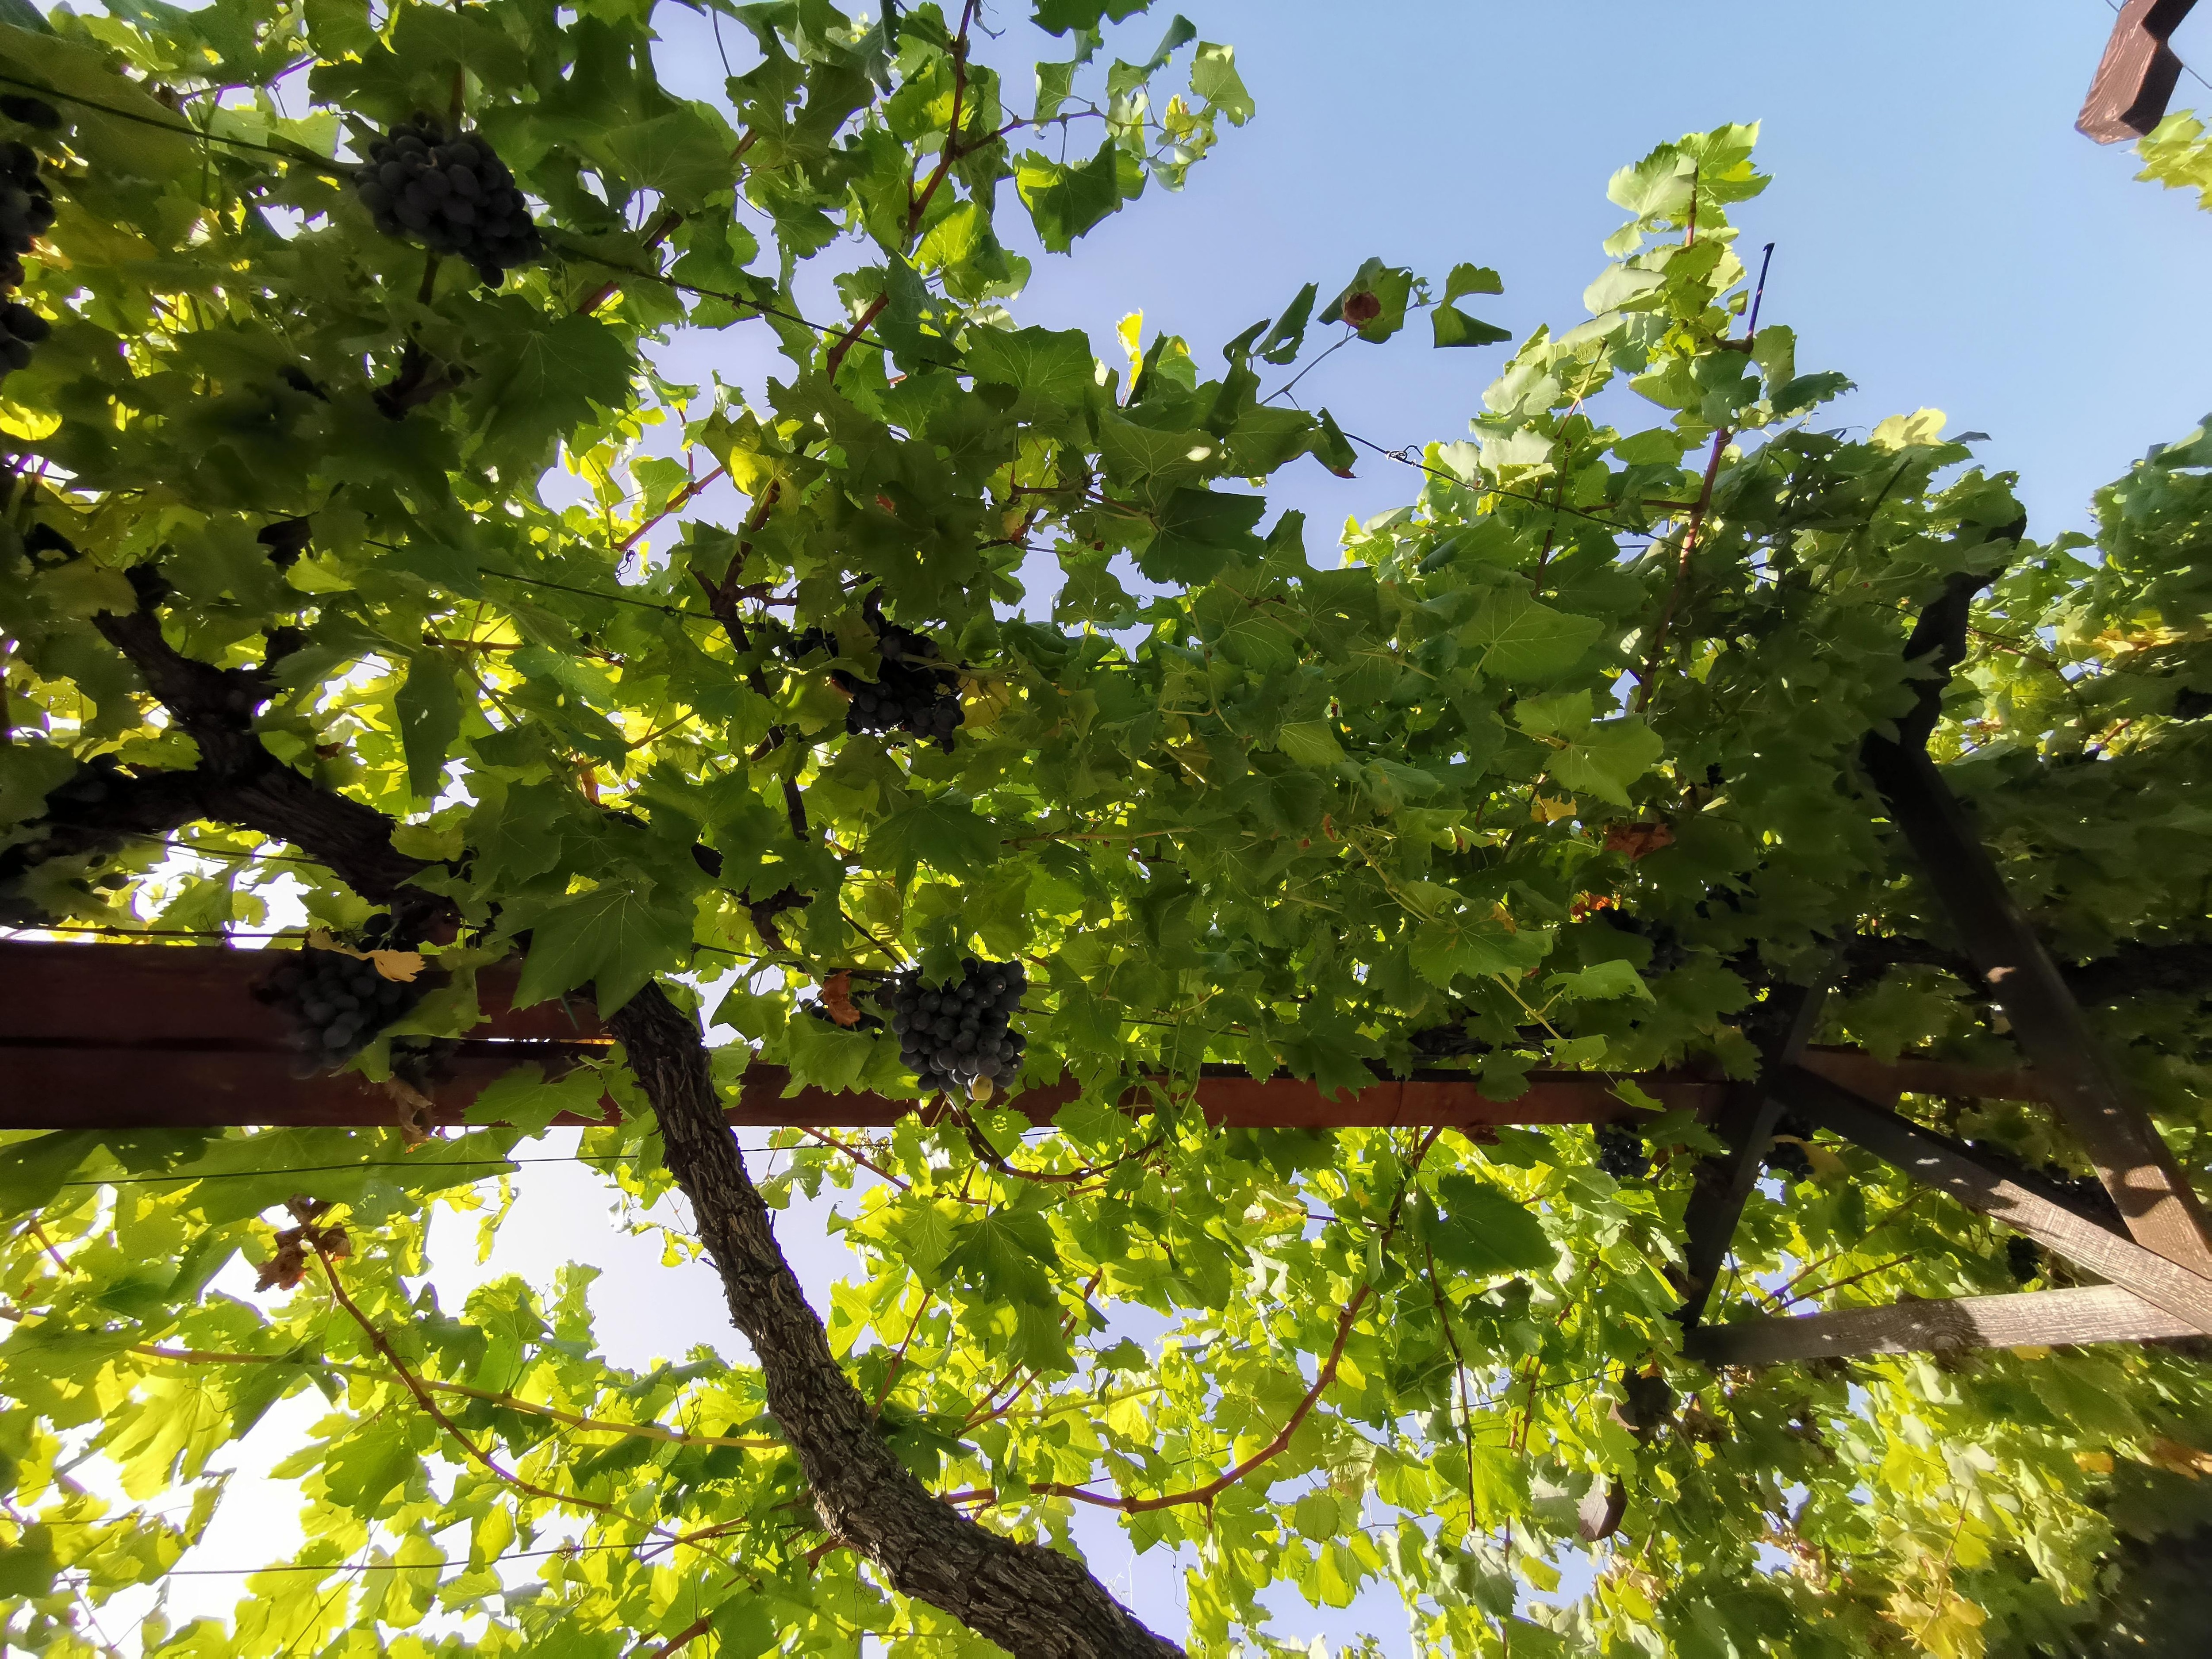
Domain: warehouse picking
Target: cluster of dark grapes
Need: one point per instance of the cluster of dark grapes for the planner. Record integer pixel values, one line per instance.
(453, 193)
(31, 112)
(286, 540)
(339, 1003)
(20, 328)
(27, 207)
(1621, 1153)
(914, 692)
(1787, 1158)
(2024, 1257)
(955, 1038)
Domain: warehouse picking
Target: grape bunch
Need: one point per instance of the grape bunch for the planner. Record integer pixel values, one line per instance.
(452, 192)
(914, 692)
(954, 1037)
(20, 328)
(1787, 1159)
(339, 1003)
(31, 112)
(286, 540)
(27, 207)
(1621, 1153)
(2023, 1258)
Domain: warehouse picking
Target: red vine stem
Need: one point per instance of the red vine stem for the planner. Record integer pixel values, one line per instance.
(836, 361)
(919, 205)
(676, 503)
(422, 1398)
(1273, 1449)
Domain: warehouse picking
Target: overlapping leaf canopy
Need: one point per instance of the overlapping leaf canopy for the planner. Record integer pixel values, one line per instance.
(1555, 764)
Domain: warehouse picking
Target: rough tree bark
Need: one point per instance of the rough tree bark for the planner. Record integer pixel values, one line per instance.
(1031, 1600)
(1028, 1598)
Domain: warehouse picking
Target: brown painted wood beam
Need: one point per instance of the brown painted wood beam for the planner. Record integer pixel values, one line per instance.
(2091, 1313)
(183, 1088)
(2135, 77)
(132, 1036)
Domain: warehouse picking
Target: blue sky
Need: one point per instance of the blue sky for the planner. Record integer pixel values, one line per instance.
(1943, 235)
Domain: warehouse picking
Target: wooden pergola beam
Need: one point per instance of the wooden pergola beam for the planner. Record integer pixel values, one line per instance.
(2135, 77)
(129, 1036)
(2043, 1319)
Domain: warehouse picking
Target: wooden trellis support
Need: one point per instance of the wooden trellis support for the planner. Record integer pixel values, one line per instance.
(128, 1037)
(2159, 1269)
(2137, 74)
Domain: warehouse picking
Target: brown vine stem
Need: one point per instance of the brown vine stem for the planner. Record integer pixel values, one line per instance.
(723, 601)
(1274, 1447)
(683, 1638)
(422, 1398)
(856, 1155)
(658, 232)
(1853, 1279)
(1646, 681)
(572, 1419)
(47, 1245)
(676, 503)
(1459, 1366)
(1646, 685)
(917, 206)
(986, 1413)
(836, 360)
(898, 1359)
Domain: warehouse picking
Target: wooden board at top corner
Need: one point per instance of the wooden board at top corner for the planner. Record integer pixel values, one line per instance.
(133, 1037)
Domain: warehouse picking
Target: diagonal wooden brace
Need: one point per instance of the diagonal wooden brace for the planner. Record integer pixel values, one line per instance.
(2162, 1210)
(1939, 1162)
(1746, 1124)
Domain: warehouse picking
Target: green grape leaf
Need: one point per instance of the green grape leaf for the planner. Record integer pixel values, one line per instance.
(613, 937)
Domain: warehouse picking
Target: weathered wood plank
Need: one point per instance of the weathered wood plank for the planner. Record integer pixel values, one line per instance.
(2092, 1313)
(2136, 76)
(1938, 1162)
(1883, 1081)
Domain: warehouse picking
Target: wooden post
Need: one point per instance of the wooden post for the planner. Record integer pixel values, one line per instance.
(2137, 74)
(1746, 1124)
